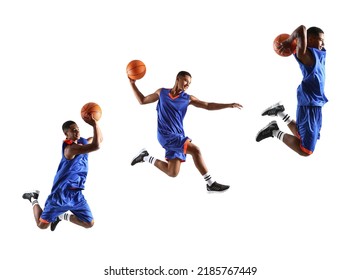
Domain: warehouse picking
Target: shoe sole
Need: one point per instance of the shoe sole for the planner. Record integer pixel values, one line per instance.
(271, 107)
(210, 192)
(33, 191)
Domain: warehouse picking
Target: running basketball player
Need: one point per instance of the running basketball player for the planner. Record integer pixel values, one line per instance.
(171, 109)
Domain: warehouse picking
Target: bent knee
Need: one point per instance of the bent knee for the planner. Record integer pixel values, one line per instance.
(194, 151)
(173, 174)
(304, 152)
(42, 225)
(89, 225)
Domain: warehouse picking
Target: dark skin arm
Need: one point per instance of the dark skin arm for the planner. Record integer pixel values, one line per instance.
(211, 105)
(193, 100)
(302, 51)
(94, 142)
(151, 98)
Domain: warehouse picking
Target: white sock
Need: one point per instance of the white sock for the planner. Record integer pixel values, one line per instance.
(285, 117)
(150, 159)
(65, 216)
(208, 179)
(278, 134)
(34, 201)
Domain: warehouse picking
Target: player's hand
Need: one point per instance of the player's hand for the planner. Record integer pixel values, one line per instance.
(236, 105)
(90, 120)
(131, 81)
(284, 45)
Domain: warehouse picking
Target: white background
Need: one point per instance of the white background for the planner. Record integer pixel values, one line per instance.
(291, 217)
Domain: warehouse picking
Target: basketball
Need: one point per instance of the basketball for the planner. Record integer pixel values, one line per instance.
(136, 69)
(89, 109)
(285, 52)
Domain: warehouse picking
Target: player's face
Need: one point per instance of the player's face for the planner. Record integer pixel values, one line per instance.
(184, 82)
(317, 42)
(73, 133)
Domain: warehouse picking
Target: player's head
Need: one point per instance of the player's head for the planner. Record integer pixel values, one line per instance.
(183, 80)
(71, 130)
(66, 125)
(315, 38)
(183, 74)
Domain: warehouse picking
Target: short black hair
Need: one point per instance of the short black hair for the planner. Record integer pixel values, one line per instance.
(183, 74)
(315, 31)
(66, 125)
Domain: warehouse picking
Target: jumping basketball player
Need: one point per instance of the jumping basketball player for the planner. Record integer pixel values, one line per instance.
(171, 109)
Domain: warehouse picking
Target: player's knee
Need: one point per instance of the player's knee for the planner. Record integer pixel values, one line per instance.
(89, 225)
(173, 173)
(304, 152)
(42, 225)
(195, 151)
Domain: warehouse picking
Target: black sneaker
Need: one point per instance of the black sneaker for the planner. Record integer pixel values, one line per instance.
(54, 224)
(273, 110)
(29, 195)
(140, 157)
(216, 187)
(266, 132)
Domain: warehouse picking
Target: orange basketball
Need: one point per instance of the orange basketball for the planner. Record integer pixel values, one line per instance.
(89, 109)
(136, 69)
(283, 52)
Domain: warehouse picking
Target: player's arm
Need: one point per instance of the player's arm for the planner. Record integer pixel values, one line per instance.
(212, 105)
(140, 97)
(302, 52)
(93, 142)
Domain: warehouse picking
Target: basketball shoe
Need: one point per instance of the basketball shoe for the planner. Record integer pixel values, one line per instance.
(140, 157)
(267, 131)
(216, 187)
(29, 195)
(273, 110)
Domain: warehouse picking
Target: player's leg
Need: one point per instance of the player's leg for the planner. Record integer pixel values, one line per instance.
(308, 128)
(86, 224)
(170, 167)
(199, 162)
(37, 210)
(294, 143)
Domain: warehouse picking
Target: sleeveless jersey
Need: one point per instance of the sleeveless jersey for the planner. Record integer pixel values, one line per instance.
(171, 112)
(71, 174)
(311, 90)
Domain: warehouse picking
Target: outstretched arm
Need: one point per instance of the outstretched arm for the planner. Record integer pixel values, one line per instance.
(140, 97)
(211, 105)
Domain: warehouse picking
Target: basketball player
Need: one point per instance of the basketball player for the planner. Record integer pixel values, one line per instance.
(310, 54)
(171, 109)
(66, 194)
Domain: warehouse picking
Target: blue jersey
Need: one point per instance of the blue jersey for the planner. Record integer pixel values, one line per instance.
(66, 193)
(171, 112)
(311, 90)
(71, 174)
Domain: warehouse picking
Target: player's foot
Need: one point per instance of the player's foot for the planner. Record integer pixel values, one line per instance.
(54, 224)
(216, 187)
(140, 157)
(267, 131)
(29, 195)
(273, 110)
